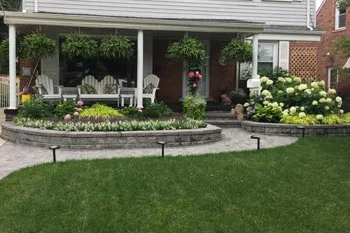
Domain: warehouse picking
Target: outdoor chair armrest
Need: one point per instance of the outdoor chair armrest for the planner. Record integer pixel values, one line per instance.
(79, 90)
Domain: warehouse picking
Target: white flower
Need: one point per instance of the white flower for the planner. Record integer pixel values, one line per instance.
(332, 91)
(308, 91)
(326, 107)
(314, 102)
(246, 105)
(329, 100)
(264, 79)
(322, 83)
(338, 99)
(281, 79)
(292, 110)
(302, 114)
(302, 109)
(319, 117)
(275, 105)
(282, 104)
(288, 80)
(285, 114)
(290, 90)
(266, 102)
(302, 87)
(341, 111)
(322, 100)
(323, 93)
(269, 82)
(314, 84)
(268, 97)
(265, 93)
(297, 79)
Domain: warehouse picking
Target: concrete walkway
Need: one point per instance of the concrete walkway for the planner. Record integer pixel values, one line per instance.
(14, 156)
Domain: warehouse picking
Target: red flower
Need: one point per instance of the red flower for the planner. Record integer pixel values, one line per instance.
(190, 74)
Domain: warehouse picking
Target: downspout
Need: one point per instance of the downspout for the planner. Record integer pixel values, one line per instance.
(308, 15)
(36, 6)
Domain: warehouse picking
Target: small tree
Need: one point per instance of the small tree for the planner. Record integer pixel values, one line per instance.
(36, 46)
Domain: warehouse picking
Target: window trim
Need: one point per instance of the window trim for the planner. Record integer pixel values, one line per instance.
(329, 74)
(337, 15)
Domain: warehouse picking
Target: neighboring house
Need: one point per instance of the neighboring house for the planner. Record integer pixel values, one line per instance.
(336, 23)
(276, 28)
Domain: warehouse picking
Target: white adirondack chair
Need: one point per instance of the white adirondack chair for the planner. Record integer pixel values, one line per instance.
(43, 83)
(89, 81)
(106, 84)
(152, 80)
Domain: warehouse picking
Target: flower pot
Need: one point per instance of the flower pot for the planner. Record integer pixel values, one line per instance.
(25, 97)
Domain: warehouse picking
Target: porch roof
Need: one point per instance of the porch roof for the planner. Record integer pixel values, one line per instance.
(155, 24)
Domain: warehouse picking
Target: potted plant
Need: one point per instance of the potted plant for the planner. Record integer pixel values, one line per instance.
(238, 96)
(237, 50)
(117, 47)
(79, 45)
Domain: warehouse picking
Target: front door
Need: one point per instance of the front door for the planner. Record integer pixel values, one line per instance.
(203, 87)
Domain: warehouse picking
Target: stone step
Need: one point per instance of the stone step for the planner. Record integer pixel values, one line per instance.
(225, 123)
(219, 116)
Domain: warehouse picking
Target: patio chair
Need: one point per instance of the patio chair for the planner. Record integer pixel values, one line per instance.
(47, 89)
(150, 86)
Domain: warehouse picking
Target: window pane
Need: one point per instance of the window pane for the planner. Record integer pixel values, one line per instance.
(266, 51)
(265, 66)
(342, 19)
(334, 78)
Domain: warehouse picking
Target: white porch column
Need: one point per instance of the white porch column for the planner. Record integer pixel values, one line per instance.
(139, 68)
(255, 56)
(12, 66)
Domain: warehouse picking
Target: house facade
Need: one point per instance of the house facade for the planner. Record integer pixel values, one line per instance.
(336, 24)
(276, 28)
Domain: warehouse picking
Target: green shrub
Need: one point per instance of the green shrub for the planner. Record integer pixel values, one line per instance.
(345, 118)
(332, 119)
(65, 108)
(296, 119)
(100, 111)
(269, 113)
(130, 112)
(35, 108)
(157, 110)
(194, 107)
(274, 73)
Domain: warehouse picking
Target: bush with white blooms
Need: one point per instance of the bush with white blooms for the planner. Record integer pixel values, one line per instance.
(293, 100)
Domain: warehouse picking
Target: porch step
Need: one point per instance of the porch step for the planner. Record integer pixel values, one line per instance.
(225, 123)
(219, 115)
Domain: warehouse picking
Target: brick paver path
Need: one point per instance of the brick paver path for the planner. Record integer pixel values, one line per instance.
(14, 156)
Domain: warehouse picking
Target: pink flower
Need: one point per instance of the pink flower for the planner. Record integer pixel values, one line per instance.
(200, 77)
(186, 89)
(76, 113)
(80, 103)
(197, 74)
(140, 109)
(194, 84)
(67, 117)
(190, 74)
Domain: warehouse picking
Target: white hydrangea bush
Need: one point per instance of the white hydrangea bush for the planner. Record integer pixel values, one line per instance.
(292, 96)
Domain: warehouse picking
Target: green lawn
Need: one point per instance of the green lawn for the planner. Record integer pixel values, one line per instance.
(299, 188)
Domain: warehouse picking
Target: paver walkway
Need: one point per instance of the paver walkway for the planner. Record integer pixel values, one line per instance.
(14, 156)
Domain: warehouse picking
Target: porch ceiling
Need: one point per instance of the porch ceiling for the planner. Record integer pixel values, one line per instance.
(214, 26)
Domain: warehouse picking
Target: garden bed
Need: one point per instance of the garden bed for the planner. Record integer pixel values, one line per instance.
(109, 140)
(292, 130)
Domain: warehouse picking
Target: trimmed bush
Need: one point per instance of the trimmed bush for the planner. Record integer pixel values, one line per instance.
(194, 107)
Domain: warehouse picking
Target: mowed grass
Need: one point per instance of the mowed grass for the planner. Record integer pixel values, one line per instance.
(304, 187)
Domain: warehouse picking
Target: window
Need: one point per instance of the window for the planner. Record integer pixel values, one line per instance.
(267, 59)
(340, 18)
(333, 78)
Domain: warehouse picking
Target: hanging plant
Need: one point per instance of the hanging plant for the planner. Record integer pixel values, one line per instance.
(36, 46)
(188, 49)
(117, 47)
(237, 50)
(79, 46)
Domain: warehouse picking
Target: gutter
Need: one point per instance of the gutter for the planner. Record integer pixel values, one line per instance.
(307, 15)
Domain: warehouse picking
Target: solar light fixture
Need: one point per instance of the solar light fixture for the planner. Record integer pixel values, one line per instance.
(162, 143)
(54, 148)
(302, 128)
(258, 140)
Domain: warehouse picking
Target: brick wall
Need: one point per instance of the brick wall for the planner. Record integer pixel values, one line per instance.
(326, 21)
(222, 77)
(303, 58)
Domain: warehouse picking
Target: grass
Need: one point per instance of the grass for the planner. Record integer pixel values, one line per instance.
(304, 187)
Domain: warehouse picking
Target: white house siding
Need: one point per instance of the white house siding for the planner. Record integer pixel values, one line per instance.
(50, 66)
(271, 12)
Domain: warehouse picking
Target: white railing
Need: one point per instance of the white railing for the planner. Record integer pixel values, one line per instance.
(4, 92)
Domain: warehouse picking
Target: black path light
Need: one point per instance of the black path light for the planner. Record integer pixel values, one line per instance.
(302, 128)
(162, 143)
(54, 148)
(258, 140)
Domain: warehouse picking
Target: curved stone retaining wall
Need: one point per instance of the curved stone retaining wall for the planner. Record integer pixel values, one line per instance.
(292, 130)
(108, 140)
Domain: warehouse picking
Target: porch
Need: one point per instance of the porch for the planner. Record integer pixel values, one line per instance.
(152, 37)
